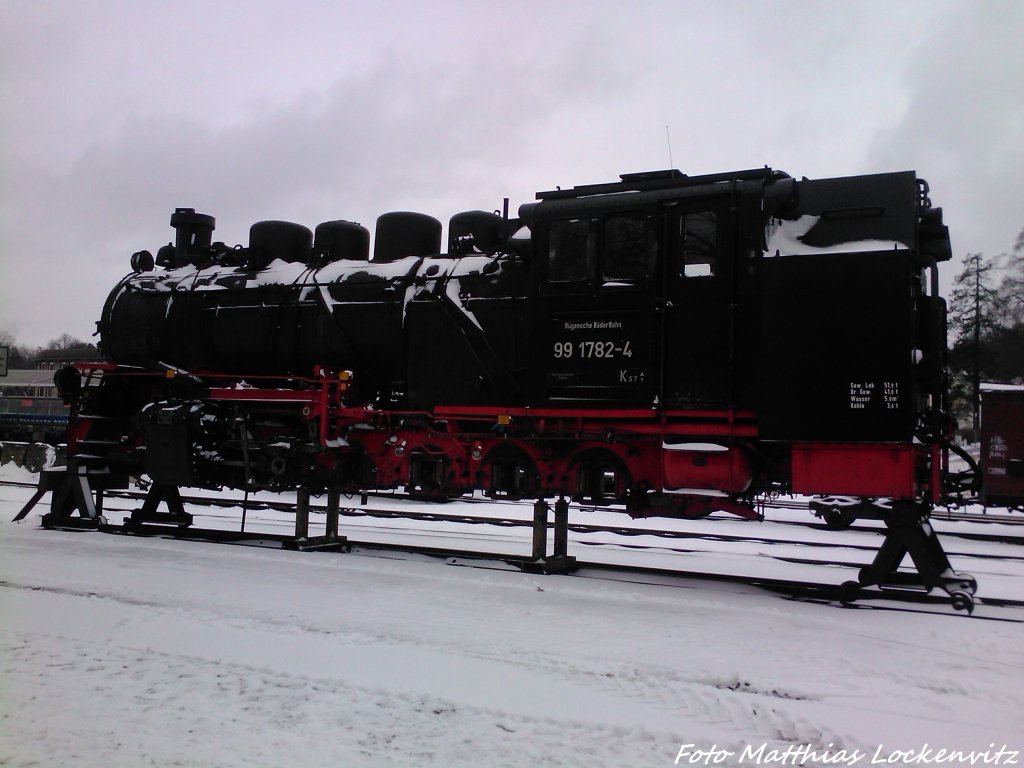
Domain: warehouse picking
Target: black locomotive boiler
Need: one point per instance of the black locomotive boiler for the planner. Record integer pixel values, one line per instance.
(672, 344)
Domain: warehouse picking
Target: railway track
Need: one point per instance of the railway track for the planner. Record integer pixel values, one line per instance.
(415, 540)
(939, 513)
(480, 539)
(525, 520)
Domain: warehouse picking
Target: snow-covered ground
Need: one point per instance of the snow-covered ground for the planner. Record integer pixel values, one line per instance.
(129, 651)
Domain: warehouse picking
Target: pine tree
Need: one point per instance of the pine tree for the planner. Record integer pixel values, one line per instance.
(974, 313)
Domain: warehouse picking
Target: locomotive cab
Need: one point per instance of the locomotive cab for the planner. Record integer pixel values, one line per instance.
(639, 294)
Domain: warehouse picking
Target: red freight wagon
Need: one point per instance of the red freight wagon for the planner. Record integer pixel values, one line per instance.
(1002, 445)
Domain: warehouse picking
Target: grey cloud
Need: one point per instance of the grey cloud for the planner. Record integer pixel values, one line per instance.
(117, 112)
(964, 124)
(397, 135)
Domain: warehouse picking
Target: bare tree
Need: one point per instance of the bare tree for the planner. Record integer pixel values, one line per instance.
(1011, 290)
(66, 341)
(18, 356)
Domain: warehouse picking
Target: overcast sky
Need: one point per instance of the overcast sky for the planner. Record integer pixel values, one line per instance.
(114, 113)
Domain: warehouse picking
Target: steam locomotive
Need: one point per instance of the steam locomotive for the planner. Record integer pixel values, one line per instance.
(668, 343)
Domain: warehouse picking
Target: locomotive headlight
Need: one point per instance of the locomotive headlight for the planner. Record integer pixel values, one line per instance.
(477, 452)
(400, 448)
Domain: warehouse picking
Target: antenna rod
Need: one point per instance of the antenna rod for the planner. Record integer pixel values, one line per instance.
(668, 138)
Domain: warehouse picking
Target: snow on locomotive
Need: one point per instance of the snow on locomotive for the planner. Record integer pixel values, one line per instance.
(673, 344)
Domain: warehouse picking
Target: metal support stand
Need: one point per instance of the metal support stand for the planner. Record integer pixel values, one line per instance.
(561, 530)
(168, 495)
(302, 514)
(330, 540)
(559, 561)
(908, 531)
(333, 506)
(540, 529)
(73, 489)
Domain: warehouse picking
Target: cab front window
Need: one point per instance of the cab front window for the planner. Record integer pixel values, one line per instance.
(570, 251)
(629, 252)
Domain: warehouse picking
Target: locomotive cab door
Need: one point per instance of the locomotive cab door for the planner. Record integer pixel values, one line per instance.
(597, 330)
(698, 304)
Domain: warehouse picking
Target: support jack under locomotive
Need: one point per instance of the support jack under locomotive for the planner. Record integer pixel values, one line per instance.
(331, 540)
(149, 512)
(559, 561)
(908, 531)
(78, 487)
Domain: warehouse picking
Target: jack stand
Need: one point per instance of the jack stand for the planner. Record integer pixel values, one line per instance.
(302, 514)
(559, 561)
(908, 531)
(175, 514)
(73, 488)
(330, 540)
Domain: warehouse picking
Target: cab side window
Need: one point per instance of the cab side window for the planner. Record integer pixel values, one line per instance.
(570, 251)
(698, 238)
(629, 251)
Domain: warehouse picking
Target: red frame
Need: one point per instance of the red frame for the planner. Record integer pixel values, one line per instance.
(560, 441)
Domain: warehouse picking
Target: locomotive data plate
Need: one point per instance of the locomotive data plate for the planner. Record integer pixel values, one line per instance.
(600, 356)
